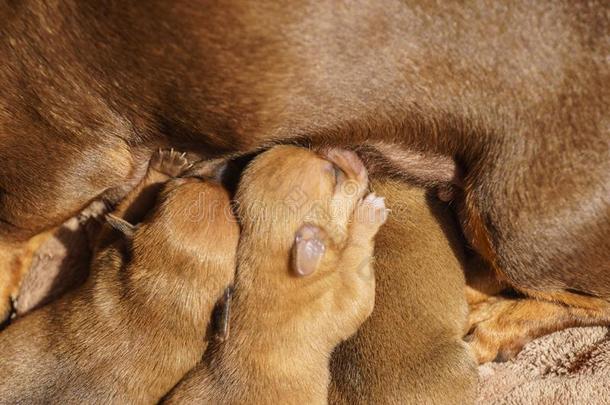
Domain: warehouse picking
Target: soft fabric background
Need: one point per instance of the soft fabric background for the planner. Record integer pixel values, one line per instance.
(567, 367)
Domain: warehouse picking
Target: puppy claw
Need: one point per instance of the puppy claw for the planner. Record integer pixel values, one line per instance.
(374, 210)
(169, 162)
(375, 200)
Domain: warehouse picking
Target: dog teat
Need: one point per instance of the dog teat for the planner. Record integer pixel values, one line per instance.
(308, 249)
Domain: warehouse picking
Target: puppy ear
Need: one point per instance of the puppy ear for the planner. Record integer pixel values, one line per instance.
(308, 249)
(120, 225)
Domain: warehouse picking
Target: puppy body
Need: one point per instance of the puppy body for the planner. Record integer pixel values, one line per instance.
(410, 350)
(286, 326)
(138, 324)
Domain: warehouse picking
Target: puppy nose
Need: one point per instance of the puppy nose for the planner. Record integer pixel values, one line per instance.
(347, 161)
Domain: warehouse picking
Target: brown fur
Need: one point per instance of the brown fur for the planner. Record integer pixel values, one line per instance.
(15, 261)
(515, 92)
(285, 326)
(502, 326)
(138, 324)
(502, 320)
(410, 350)
(62, 262)
(481, 282)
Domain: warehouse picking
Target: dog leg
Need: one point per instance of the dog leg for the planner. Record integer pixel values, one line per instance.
(10, 274)
(502, 320)
(500, 327)
(15, 261)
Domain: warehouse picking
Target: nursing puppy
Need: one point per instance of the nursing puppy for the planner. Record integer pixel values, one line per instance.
(410, 350)
(304, 279)
(139, 322)
(515, 92)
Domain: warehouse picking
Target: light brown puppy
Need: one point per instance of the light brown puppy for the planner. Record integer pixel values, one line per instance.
(304, 280)
(410, 350)
(138, 324)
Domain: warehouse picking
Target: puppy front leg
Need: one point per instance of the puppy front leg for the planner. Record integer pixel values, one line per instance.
(357, 271)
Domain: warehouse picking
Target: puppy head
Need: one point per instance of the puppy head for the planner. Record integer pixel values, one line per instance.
(192, 231)
(295, 203)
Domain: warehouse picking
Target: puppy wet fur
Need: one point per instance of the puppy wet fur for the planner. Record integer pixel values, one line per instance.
(139, 322)
(304, 279)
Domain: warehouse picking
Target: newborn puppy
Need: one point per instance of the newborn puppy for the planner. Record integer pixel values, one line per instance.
(138, 324)
(304, 280)
(410, 350)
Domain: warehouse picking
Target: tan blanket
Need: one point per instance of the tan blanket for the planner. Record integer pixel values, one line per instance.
(567, 367)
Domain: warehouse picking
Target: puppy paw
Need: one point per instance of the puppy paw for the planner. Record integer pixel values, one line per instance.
(370, 214)
(169, 162)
